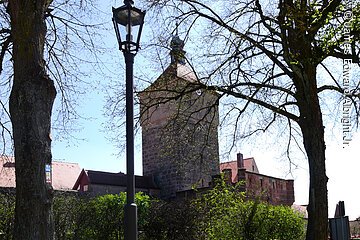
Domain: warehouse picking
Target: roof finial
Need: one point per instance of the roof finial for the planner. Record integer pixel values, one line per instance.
(128, 2)
(177, 52)
(177, 28)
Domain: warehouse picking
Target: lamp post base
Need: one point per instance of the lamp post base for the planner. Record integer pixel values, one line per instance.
(131, 222)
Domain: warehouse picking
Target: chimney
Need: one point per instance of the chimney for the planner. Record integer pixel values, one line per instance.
(240, 160)
(340, 209)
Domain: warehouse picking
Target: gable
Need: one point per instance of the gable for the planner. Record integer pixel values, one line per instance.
(250, 165)
(175, 73)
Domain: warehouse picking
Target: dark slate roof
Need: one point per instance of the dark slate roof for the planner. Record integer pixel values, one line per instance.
(119, 179)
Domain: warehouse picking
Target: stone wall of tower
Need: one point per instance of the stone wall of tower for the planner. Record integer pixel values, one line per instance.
(180, 140)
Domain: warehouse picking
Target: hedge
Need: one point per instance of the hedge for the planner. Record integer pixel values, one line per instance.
(221, 213)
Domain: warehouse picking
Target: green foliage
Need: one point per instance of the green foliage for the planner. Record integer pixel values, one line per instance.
(7, 211)
(171, 221)
(143, 203)
(103, 217)
(218, 208)
(65, 211)
(80, 217)
(272, 222)
(221, 213)
(226, 215)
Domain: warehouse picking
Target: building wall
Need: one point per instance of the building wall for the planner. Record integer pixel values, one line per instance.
(102, 189)
(275, 191)
(231, 168)
(179, 139)
(355, 228)
(84, 183)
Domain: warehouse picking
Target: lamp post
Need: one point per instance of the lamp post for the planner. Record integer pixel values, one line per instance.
(128, 22)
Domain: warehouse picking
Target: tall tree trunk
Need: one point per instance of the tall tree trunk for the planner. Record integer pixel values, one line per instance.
(31, 103)
(312, 128)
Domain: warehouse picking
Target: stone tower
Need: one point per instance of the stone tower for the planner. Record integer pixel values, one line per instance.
(179, 128)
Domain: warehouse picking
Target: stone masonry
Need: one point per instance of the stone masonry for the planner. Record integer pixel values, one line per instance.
(179, 131)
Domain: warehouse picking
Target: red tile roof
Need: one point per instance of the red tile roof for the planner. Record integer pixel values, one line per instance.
(233, 165)
(7, 171)
(64, 174)
(249, 165)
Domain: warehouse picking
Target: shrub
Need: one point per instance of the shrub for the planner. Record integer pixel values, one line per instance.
(226, 215)
(171, 221)
(7, 213)
(220, 213)
(80, 217)
(103, 217)
(66, 209)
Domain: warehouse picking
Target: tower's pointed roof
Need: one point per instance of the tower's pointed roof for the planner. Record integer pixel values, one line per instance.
(177, 70)
(178, 66)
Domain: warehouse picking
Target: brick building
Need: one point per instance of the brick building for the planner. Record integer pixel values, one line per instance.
(179, 128)
(273, 190)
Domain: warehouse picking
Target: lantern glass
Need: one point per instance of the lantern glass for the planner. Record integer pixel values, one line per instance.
(128, 23)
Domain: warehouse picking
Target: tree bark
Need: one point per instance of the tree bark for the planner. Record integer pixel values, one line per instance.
(303, 60)
(31, 101)
(312, 128)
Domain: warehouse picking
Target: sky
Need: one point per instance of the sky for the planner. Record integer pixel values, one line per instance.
(96, 152)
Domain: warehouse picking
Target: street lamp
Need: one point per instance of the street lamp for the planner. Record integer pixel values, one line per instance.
(128, 22)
